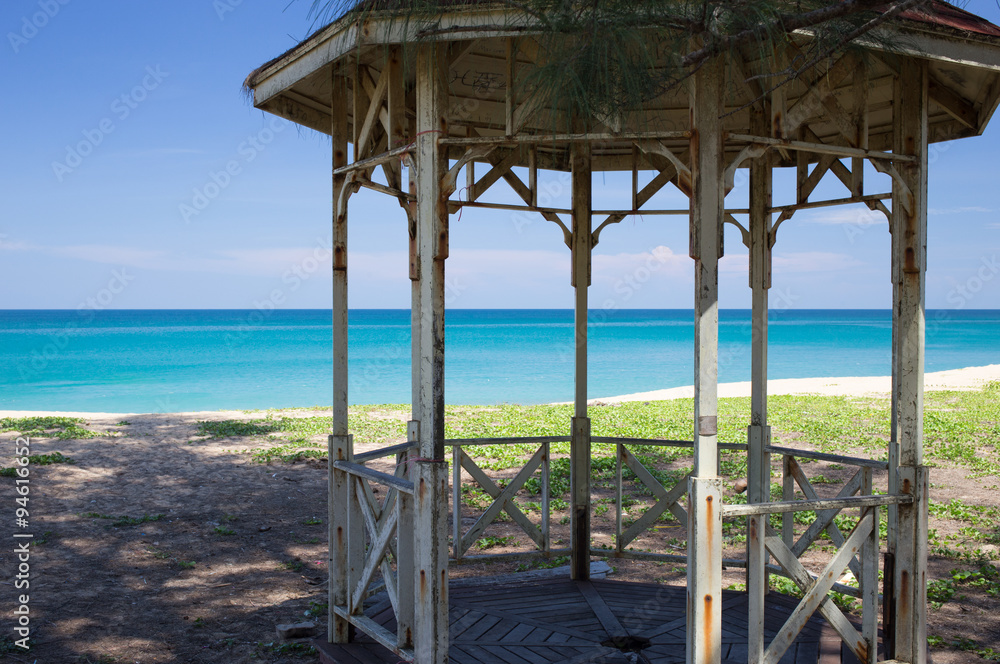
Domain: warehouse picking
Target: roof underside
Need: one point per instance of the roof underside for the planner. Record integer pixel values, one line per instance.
(963, 52)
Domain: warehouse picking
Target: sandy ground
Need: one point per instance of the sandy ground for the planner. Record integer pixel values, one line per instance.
(956, 379)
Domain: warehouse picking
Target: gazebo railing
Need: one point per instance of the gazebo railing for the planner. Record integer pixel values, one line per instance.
(667, 498)
(379, 539)
(857, 551)
(503, 498)
(383, 537)
(825, 522)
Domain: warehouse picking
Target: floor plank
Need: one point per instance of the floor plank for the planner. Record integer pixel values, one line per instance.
(559, 621)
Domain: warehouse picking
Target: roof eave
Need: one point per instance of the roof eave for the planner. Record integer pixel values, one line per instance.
(335, 41)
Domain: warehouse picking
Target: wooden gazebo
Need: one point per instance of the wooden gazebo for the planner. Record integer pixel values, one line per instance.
(422, 121)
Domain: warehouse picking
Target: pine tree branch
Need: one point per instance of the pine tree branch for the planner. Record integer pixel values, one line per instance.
(786, 24)
(794, 74)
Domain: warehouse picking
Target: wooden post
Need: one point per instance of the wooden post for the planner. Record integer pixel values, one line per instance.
(580, 444)
(868, 583)
(909, 242)
(758, 432)
(404, 550)
(430, 534)
(345, 528)
(704, 571)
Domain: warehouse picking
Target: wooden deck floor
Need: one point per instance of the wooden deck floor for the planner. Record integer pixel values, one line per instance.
(568, 622)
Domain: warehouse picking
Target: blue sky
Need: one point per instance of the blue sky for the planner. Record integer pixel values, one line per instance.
(120, 113)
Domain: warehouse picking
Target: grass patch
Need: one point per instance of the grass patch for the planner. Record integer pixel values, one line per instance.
(63, 428)
(293, 565)
(37, 460)
(125, 521)
(8, 646)
(491, 541)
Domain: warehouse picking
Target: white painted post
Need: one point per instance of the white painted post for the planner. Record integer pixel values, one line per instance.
(758, 432)
(868, 583)
(580, 444)
(909, 230)
(430, 532)
(343, 527)
(405, 560)
(704, 570)
(338, 629)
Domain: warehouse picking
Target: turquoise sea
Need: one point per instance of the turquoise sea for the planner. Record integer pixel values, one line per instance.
(166, 361)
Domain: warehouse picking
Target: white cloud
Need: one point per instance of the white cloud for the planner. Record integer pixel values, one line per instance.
(245, 262)
(378, 266)
(510, 264)
(960, 210)
(797, 262)
(659, 259)
(161, 152)
(109, 254)
(814, 261)
(860, 216)
(734, 263)
(12, 246)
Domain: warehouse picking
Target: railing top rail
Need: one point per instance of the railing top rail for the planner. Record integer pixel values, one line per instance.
(815, 505)
(823, 456)
(358, 470)
(361, 457)
(519, 440)
(653, 442)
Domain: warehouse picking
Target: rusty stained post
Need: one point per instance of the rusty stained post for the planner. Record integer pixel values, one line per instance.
(758, 432)
(580, 158)
(346, 531)
(430, 470)
(909, 244)
(704, 553)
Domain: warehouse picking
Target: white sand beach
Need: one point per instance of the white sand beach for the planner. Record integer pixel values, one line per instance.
(970, 378)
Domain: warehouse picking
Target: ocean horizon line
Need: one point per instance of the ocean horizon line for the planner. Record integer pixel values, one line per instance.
(173, 360)
(90, 311)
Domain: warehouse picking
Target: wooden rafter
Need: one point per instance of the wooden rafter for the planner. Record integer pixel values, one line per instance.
(811, 104)
(953, 104)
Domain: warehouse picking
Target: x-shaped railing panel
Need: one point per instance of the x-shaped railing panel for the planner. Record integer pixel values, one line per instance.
(503, 500)
(380, 531)
(817, 591)
(665, 500)
(825, 518)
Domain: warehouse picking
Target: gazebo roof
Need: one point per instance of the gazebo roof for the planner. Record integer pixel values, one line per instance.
(943, 15)
(963, 51)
